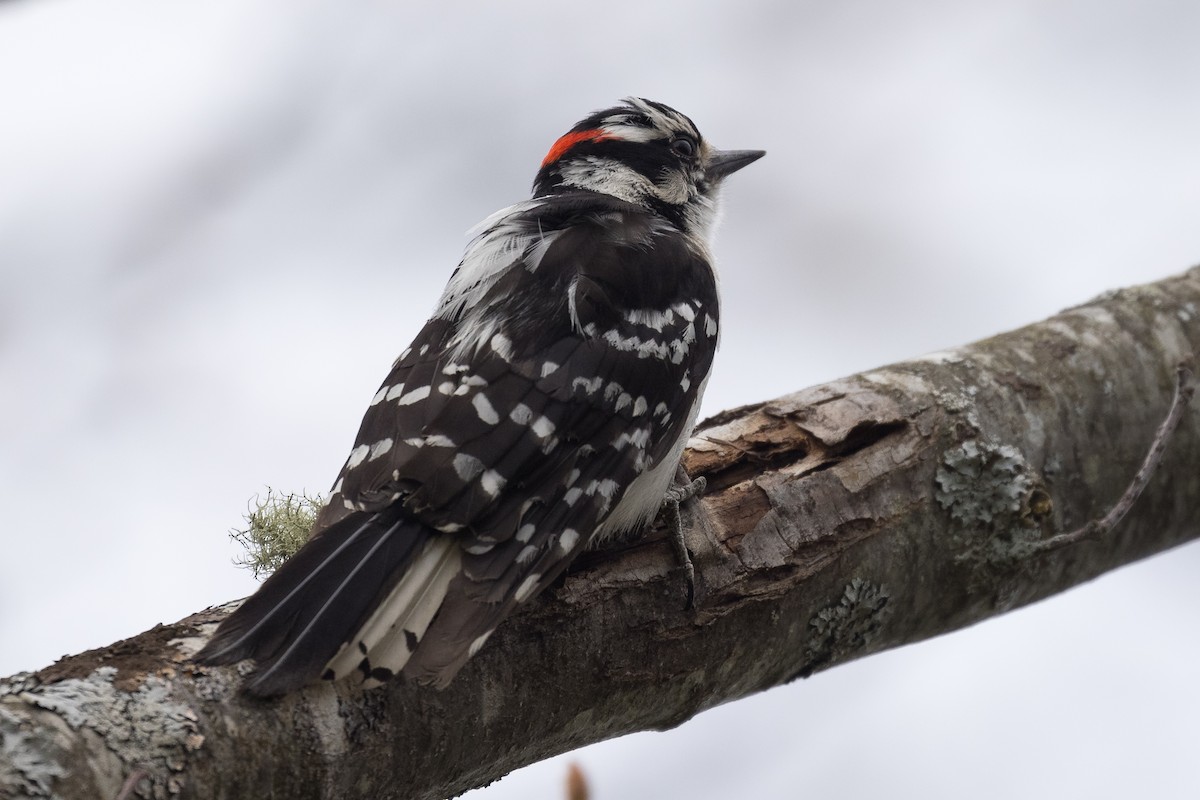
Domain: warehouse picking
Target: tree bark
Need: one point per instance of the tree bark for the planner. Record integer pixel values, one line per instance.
(842, 520)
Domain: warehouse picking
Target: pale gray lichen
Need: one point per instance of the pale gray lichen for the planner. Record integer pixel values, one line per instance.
(17, 683)
(26, 768)
(144, 728)
(980, 482)
(846, 626)
(960, 402)
(953, 402)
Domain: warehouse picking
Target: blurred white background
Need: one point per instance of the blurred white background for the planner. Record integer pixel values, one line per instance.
(220, 222)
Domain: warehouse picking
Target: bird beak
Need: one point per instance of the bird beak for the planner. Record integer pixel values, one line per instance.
(726, 162)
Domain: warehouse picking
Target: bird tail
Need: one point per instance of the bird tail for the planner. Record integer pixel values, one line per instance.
(358, 596)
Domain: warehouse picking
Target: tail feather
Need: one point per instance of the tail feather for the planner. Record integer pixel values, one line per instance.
(314, 603)
(373, 596)
(460, 629)
(384, 643)
(471, 610)
(245, 633)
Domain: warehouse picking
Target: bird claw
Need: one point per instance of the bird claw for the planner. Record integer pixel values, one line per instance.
(682, 492)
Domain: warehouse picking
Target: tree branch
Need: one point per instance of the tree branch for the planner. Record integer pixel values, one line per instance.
(867, 513)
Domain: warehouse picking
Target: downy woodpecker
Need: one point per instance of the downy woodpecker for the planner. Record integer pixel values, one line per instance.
(543, 408)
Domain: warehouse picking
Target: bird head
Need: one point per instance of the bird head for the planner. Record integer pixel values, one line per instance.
(644, 153)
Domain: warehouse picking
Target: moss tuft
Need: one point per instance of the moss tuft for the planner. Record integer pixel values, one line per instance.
(277, 526)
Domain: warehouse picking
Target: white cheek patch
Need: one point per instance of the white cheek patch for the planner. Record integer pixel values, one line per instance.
(674, 187)
(608, 177)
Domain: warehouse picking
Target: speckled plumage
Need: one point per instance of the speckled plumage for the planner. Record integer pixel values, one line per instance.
(544, 406)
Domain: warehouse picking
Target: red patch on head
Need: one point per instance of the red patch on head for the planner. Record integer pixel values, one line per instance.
(569, 140)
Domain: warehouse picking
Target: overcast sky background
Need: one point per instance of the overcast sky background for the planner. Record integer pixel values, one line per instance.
(221, 221)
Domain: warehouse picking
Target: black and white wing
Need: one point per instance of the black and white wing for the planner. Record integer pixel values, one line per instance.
(546, 403)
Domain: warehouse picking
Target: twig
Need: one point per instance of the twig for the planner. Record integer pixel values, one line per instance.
(1184, 389)
(130, 782)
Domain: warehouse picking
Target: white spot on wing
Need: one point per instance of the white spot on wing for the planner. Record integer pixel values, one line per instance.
(542, 427)
(684, 310)
(521, 414)
(526, 531)
(651, 317)
(380, 448)
(568, 539)
(485, 409)
(492, 482)
(467, 466)
(379, 395)
(591, 386)
(395, 391)
(502, 346)
(637, 437)
(525, 590)
(415, 396)
(358, 455)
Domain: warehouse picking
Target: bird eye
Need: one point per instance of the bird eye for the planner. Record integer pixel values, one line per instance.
(684, 146)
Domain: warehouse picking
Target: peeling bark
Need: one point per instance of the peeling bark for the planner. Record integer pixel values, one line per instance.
(842, 520)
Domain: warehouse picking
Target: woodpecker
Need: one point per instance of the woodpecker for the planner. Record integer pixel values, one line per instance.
(542, 410)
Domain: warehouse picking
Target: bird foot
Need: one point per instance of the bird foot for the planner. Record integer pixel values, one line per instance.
(682, 491)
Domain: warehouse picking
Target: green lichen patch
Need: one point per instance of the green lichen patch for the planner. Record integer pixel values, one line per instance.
(981, 482)
(847, 626)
